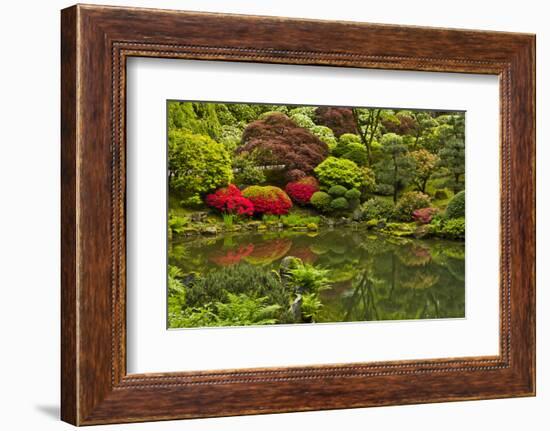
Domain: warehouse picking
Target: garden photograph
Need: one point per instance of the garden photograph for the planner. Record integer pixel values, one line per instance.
(295, 214)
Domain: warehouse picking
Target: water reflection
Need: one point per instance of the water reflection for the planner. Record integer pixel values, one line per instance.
(373, 277)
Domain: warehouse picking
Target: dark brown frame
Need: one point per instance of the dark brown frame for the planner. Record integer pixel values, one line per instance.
(95, 43)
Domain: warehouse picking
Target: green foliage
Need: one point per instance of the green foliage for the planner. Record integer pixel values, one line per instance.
(425, 164)
(384, 189)
(448, 228)
(228, 220)
(195, 118)
(243, 310)
(409, 202)
(193, 201)
(357, 153)
(231, 137)
(308, 281)
(303, 116)
(368, 180)
(321, 201)
(295, 219)
(243, 278)
(238, 310)
(311, 307)
(396, 167)
(176, 290)
(308, 278)
(457, 206)
(337, 191)
(455, 228)
(352, 194)
(334, 171)
(348, 138)
(453, 159)
(243, 112)
(246, 169)
(350, 147)
(339, 204)
(440, 195)
(325, 134)
(197, 163)
(177, 223)
(377, 209)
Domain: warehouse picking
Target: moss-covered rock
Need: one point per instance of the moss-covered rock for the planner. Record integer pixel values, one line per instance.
(312, 226)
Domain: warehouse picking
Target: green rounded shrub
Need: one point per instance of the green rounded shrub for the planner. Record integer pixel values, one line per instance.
(337, 191)
(377, 209)
(409, 202)
(321, 201)
(339, 204)
(457, 206)
(352, 194)
(197, 163)
(356, 153)
(334, 171)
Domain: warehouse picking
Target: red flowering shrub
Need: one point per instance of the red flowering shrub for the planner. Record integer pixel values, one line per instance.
(268, 199)
(424, 215)
(301, 192)
(231, 201)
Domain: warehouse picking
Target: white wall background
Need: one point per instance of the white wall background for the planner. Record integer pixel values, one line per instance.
(29, 215)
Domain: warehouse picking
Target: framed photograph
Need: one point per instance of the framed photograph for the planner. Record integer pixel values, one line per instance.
(261, 217)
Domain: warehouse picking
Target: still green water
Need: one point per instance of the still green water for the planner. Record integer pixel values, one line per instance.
(373, 277)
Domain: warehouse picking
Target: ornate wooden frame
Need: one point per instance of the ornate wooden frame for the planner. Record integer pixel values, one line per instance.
(95, 43)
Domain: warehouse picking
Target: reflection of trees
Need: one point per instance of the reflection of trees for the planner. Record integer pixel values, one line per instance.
(372, 278)
(403, 282)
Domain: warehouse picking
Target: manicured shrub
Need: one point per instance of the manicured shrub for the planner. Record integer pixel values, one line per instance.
(196, 163)
(268, 199)
(344, 142)
(457, 206)
(339, 204)
(321, 201)
(377, 209)
(409, 202)
(229, 200)
(337, 191)
(324, 134)
(384, 189)
(357, 153)
(352, 194)
(300, 193)
(334, 171)
(424, 215)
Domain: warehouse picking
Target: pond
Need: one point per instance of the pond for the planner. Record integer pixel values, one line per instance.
(372, 277)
